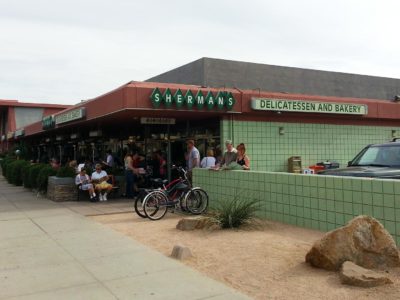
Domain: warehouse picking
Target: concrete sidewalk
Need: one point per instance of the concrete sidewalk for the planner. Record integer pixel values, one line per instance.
(52, 251)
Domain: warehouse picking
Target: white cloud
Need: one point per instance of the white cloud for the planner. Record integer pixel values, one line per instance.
(65, 51)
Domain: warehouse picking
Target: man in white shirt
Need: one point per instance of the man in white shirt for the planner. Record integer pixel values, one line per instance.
(193, 158)
(99, 178)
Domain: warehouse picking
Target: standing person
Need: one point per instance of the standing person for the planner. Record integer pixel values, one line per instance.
(109, 160)
(162, 164)
(129, 173)
(242, 158)
(193, 160)
(230, 154)
(209, 160)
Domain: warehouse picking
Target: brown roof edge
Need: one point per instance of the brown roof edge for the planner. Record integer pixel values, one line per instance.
(26, 104)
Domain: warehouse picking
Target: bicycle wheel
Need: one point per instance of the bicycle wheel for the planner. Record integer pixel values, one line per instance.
(139, 207)
(155, 205)
(196, 201)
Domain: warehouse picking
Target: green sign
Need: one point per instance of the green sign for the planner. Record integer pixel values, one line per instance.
(189, 99)
(71, 115)
(221, 100)
(308, 106)
(48, 122)
(19, 133)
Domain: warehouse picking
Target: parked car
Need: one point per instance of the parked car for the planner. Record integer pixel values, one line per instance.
(378, 160)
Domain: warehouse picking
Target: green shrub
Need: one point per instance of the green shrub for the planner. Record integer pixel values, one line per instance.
(232, 213)
(43, 177)
(25, 176)
(66, 172)
(14, 171)
(4, 164)
(33, 173)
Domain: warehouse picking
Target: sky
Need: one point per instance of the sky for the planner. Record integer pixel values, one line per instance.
(56, 51)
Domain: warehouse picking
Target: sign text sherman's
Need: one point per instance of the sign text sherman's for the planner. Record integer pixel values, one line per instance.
(308, 106)
(221, 99)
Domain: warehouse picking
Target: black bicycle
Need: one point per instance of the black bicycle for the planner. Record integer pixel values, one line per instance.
(177, 194)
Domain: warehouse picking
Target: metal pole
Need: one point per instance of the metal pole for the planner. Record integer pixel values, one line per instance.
(169, 154)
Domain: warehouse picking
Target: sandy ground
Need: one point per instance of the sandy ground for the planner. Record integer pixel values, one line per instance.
(264, 263)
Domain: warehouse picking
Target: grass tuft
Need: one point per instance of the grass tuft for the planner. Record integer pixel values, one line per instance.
(233, 213)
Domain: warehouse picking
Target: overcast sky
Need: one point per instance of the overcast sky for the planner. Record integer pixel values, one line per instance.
(58, 51)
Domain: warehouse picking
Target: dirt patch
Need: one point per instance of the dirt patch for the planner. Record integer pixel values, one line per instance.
(266, 263)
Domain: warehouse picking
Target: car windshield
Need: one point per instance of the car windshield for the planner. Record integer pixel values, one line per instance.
(388, 156)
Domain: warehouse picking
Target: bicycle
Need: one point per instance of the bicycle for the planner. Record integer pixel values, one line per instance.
(155, 183)
(177, 194)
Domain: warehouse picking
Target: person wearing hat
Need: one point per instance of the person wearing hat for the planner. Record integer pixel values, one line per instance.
(230, 154)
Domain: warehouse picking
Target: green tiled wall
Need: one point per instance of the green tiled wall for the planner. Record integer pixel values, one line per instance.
(269, 151)
(312, 201)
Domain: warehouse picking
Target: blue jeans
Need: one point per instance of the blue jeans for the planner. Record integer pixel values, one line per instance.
(130, 180)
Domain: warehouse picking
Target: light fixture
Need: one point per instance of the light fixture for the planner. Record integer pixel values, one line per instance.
(281, 131)
(394, 133)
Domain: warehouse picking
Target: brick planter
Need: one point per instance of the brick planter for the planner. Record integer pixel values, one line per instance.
(61, 189)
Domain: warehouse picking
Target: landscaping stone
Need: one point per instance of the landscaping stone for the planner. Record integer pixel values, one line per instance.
(181, 252)
(196, 223)
(352, 274)
(363, 241)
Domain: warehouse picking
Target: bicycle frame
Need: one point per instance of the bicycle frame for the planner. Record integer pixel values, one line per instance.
(171, 191)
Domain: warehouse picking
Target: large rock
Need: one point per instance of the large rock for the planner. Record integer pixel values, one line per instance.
(352, 274)
(196, 223)
(363, 241)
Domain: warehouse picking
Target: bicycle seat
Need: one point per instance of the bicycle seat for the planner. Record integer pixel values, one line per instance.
(159, 181)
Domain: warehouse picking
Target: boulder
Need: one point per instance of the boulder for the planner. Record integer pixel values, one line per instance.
(352, 274)
(181, 252)
(363, 241)
(196, 223)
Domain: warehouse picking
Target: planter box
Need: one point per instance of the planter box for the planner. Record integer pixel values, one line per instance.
(61, 189)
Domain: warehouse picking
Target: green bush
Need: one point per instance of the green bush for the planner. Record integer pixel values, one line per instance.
(30, 180)
(14, 171)
(4, 164)
(25, 176)
(66, 172)
(43, 177)
(232, 213)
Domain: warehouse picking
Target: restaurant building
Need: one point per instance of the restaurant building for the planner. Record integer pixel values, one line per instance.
(277, 112)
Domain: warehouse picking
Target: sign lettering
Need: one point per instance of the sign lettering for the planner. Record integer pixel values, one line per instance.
(308, 106)
(221, 100)
(71, 115)
(166, 121)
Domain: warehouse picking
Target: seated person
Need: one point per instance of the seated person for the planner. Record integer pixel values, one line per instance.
(99, 179)
(83, 180)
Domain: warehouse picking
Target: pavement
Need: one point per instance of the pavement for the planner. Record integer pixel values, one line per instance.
(52, 251)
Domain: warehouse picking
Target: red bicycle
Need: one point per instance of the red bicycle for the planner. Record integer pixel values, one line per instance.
(177, 194)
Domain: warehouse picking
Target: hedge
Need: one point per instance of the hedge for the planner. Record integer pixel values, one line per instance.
(30, 180)
(66, 172)
(14, 171)
(43, 177)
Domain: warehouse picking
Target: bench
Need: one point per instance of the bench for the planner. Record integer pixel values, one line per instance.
(113, 193)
